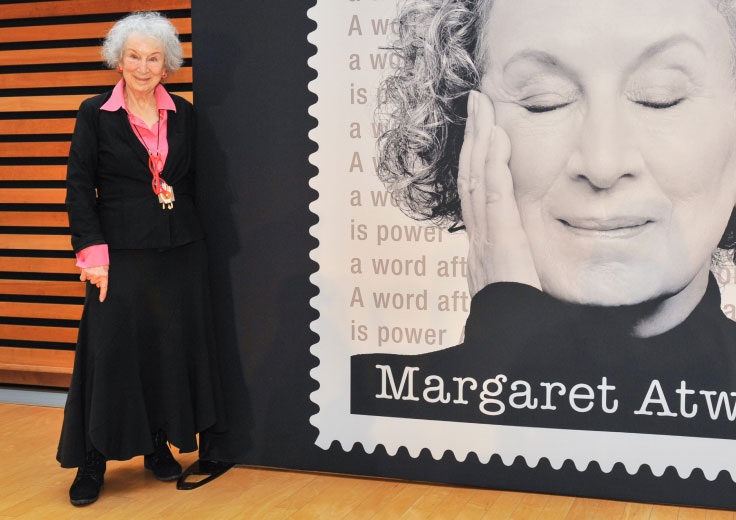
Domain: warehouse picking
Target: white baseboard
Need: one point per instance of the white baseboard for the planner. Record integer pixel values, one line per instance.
(54, 398)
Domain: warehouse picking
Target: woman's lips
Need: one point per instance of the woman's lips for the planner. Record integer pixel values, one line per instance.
(617, 227)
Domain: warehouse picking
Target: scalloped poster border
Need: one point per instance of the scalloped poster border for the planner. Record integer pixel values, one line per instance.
(581, 448)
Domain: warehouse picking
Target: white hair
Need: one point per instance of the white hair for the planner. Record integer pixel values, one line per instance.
(148, 24)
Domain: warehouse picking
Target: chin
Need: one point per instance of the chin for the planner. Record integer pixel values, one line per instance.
(606, 286)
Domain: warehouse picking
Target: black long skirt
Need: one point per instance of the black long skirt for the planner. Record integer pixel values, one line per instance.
(145, 358)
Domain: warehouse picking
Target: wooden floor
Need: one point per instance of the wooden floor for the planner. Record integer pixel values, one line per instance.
(33, 486)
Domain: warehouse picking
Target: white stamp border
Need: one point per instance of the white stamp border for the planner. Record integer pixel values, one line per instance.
(335, 422)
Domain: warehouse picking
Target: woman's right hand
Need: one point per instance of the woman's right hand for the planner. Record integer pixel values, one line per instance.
(499, 247)
(98, 276)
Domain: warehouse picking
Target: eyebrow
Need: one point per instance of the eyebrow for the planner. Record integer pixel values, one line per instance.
(664, 45)
(549, 60)
(138, 52)
(542, 57)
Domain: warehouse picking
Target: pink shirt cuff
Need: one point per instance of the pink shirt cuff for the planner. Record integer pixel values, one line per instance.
(93, 256)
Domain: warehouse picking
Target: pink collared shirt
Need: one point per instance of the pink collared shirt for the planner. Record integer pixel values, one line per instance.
(154, 139)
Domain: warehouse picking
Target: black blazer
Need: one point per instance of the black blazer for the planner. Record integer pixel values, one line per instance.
(107, 156)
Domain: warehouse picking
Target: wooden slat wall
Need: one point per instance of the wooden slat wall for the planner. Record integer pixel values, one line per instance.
(50, 62)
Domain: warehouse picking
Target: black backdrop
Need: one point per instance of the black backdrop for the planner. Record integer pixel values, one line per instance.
(251, 96)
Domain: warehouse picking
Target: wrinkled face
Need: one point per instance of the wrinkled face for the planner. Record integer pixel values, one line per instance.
(621, 119)
(142, 63)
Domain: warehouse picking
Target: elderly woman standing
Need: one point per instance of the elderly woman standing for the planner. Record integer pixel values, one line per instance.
(145, 369)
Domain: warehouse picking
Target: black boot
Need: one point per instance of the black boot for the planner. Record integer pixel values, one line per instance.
(90, 477)
(161, 461)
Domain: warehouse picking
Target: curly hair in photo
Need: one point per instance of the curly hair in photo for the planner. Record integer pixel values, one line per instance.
(440, 43)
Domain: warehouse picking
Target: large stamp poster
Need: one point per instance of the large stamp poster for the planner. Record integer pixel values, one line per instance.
(588, 150)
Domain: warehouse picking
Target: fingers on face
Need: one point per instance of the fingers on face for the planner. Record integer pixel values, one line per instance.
(483, 133)
(479, 129)
(463, 175)
(501, 210)
(486, 189)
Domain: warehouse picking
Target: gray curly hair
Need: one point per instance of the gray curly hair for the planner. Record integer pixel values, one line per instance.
(149, 24)
(424, 104)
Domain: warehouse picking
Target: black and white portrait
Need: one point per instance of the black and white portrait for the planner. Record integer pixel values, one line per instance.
(586, 154)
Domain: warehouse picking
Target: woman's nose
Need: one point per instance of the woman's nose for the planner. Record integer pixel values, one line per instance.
(604, 148)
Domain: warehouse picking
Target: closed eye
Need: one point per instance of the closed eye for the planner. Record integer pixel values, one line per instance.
(660, 105)
(538, 109)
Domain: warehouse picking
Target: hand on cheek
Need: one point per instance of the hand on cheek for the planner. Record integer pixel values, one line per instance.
(499, 247)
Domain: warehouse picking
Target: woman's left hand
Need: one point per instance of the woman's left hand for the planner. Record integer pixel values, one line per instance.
(499, 247)
(97, 276)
